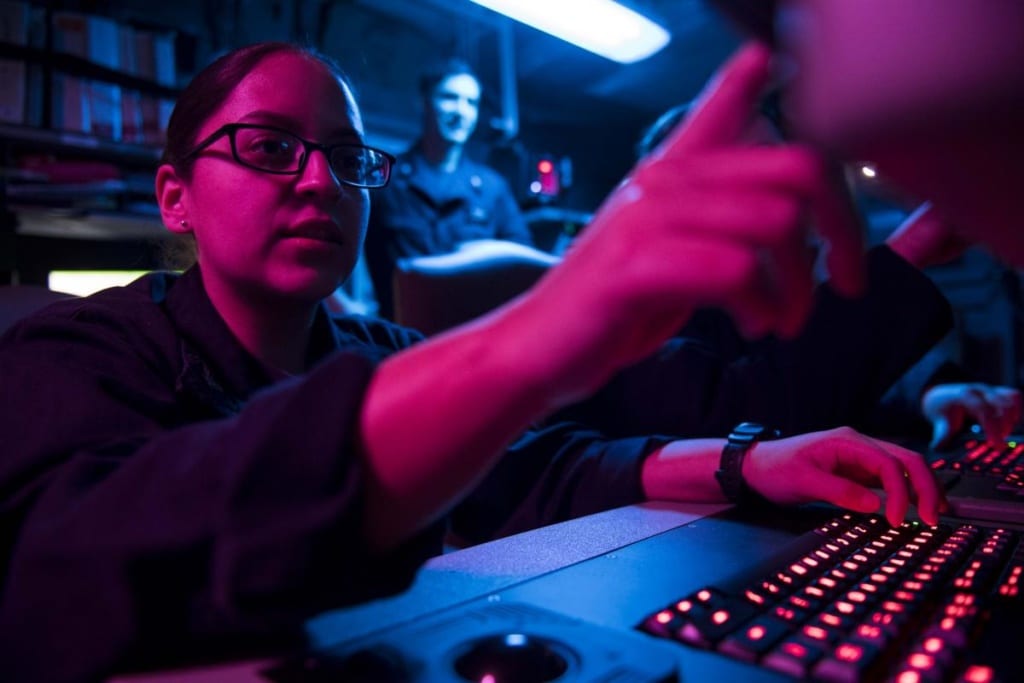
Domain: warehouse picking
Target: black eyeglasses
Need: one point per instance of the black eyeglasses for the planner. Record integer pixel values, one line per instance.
(275, 150)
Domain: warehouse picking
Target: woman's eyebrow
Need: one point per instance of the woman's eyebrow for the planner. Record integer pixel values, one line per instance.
(270, 118)
(344, 132)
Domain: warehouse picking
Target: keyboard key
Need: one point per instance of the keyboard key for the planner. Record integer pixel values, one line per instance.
(755, 639)
(857, 600)
(847, 663)
(721, 621)
(793, 657)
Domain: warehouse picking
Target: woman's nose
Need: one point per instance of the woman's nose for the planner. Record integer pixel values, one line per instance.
(318, 175)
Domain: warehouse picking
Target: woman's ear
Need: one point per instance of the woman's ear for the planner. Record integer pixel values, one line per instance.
(170, 196)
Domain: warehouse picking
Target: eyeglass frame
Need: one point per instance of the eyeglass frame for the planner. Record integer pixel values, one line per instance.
(308, 147)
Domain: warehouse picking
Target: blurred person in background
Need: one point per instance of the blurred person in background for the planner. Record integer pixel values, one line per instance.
(440, 199)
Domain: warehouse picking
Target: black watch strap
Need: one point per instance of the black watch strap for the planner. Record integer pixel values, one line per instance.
(730, 467)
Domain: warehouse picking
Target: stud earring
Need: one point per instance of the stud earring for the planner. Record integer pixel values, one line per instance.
(184, 223)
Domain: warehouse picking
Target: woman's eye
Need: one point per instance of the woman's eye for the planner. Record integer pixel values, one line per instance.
(272, 147)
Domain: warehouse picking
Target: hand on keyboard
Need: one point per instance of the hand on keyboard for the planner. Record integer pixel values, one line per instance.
(839, 466)
(856, 601)
(950, 406)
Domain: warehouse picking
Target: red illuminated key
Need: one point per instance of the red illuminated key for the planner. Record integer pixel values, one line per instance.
(707, 626)
(754, 639)
(978, 674)
(847, 662)
(663, 624)
(793, 657)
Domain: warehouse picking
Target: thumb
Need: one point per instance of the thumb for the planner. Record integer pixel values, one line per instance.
(942, 432)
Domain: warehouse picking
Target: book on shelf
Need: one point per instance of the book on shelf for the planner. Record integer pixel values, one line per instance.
(131, 100)
(71, 109)
(104, 98)
(107, 109)
(15, 23)
(155, 61)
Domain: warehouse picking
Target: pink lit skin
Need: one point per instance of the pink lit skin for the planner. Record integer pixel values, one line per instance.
(690, 226)
(285, 241)
(931, 93)
(707, 220)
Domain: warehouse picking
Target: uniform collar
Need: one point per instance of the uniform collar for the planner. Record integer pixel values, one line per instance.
(215, 366)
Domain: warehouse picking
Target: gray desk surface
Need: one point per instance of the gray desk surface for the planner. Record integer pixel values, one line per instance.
(457, 577)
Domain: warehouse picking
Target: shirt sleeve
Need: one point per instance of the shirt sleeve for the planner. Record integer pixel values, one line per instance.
(553, 474)
(126, 536)
(849, 353)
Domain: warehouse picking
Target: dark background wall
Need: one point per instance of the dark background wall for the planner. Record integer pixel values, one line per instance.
(568, 103)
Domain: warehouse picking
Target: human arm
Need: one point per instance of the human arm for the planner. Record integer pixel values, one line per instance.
(552, 474)
(670, 249)
(565, 471)
(707, 378)
(836, 466)
(926, 239)
(138, 494)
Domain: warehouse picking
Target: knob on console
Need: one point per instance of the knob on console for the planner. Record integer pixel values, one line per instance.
(508, 657)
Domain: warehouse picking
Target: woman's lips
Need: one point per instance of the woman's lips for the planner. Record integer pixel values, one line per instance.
(324, 230)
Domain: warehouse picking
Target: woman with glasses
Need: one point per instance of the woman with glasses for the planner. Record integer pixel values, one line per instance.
(196, 463)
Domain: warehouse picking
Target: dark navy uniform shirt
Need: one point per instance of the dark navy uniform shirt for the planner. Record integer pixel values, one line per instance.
(162, 496)
(425, 211)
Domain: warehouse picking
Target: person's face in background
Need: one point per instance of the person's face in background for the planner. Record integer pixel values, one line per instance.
(930, 92)
(453, 108)
(279, 237)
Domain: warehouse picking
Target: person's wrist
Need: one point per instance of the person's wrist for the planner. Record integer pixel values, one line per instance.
(735, 460)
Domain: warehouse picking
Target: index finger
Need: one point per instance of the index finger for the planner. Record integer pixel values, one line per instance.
(930, 498)
(726, 105)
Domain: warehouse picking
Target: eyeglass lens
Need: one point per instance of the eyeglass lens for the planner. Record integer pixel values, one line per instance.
(279, 152)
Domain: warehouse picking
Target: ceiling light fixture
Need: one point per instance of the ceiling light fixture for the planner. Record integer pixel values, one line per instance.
(601, 26)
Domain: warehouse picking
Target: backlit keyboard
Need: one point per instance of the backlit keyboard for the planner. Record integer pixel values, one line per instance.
(858, 600)
(1005, 462)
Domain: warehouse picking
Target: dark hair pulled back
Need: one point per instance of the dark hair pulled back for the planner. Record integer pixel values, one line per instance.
(208, 90)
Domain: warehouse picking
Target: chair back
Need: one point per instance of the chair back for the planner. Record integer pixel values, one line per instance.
(434, 293)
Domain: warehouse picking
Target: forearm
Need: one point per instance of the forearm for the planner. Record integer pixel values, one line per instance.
(684, 471)
(437, 416)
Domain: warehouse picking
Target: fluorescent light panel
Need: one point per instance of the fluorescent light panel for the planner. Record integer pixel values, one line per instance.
(601, 26)
(85, 282)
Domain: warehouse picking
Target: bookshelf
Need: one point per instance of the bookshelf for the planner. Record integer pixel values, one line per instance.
(84, 103)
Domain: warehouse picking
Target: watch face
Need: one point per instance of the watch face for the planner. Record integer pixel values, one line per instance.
(752, 428)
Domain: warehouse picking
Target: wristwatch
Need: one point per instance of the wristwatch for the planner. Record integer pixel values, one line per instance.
(730, 467)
